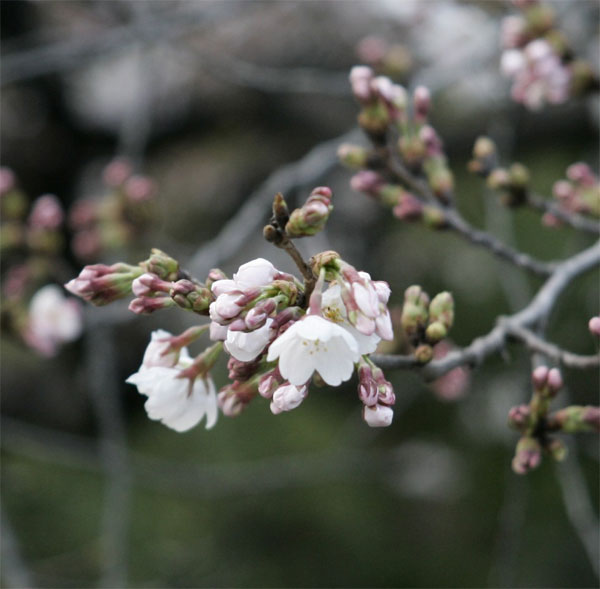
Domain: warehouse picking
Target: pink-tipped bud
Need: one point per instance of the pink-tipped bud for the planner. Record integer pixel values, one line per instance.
(100, 284)
(116, 172)
(581, 174)
(409, 208)
(367, 181)
(562, 190)
(47, 213)
(148, 305)
(422, 103)
(7, 180)
(528, 455)
(539, 377)
(148, 284)
(555, 381)
(190, 295)
(139, 188)
(368, 392)
(594, 326)
(519, 417)
(269, 383)
(360, 80)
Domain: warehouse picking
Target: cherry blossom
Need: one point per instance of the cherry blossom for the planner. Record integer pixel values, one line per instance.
(314, 344)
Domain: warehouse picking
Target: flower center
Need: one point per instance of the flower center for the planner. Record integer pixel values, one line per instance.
(315, 346)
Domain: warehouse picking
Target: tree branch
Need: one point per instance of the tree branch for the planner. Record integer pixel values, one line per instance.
(576, 221)
(494, 341)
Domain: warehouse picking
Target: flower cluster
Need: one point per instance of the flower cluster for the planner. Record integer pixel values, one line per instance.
(280, 333)
(386, 117)
(34, 308)
(538, 60)
(536, 423)
(117, 217)
(579, 193)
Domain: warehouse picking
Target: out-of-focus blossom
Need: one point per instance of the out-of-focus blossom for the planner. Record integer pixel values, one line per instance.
(287, 397)
(53, 320)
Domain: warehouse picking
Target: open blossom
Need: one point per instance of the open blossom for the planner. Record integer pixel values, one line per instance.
(177, 402)
(314, 344)
(53, 320)
(333, 309)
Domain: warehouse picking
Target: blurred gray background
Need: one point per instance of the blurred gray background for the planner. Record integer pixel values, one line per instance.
(224, 103)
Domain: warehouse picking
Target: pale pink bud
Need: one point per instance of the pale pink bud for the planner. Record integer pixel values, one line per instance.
(360, 80)
(421, 102)
(408, 208)
(378, 416)
(555, 381)
(269, 383)
(116, 172)
(581, 173)
(147, 305)
(148, 283)
(7, 180)
(258, 272)
(368, 392)
(139, 188)
(594, 326)
(382, 288)
(225, 307)
(287, 397)
(47, 213)
(367, 181)
(539, 377)
(562, 190)
(518, 416)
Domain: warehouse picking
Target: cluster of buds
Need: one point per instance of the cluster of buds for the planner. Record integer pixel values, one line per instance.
(387, 118)
(280, 334)
(34, 308)
(538, 59)
(536, 423)
(390, 59)
(578, 193)
(511, 183)
(426, 321)
(115, 219)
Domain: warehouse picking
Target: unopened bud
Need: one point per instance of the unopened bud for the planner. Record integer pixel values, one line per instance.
(191, 296)
(528, 455)
(408, 207)
(415, 310)
(441, 309)
(378, 416)
(148, 305)
(422, 103)
(519, 175)
(424, 354)
(367, 181)
(47, 213)
(557, 449)
(594, 326)
(100, 284)
(576, 419)
(498, 179)
(360, 79)
(539, 377)
(280, 210)
(311, 218)
(161, 264)
(555, 381)
(436, 332)
(353, 156)
(519, 417)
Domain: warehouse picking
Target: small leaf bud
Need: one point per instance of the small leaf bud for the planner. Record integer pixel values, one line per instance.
(441, 309)
(435, 332)
(424, 354)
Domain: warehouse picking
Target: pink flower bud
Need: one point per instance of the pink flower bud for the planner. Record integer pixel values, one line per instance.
(562, 190)
(378, 416)
(594, 326)
(360, 80)
(555, 381)
(147, 305)
(518, 416)
(7, 180)
(581, 173)
(116, 172)
(269, 383)
(139, 188)
(408, 208)
(47, 213)
(367, 387)
(147, 284)
(528, 455)
(422, 103)
(367, 181)
(539, 377)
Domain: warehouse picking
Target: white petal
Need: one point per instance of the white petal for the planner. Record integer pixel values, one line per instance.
(334, 367)
(296, 365)
(212, 408)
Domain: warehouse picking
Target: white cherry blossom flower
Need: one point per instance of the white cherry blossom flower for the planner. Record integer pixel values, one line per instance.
(315, 344)
(178, 403)
(333, 309)
(247, 345)
(159, 352)
(53, 320)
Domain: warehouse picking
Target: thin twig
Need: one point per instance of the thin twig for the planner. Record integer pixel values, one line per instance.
(455, 221)
(537, 344)
(573, 219)
(254, 212)
(495, 340)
